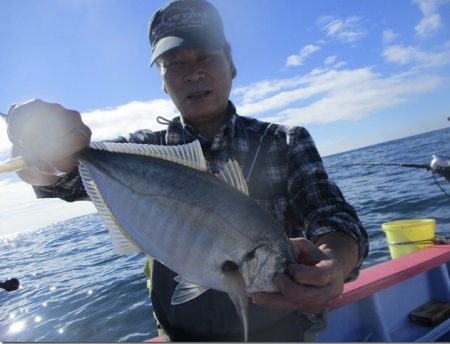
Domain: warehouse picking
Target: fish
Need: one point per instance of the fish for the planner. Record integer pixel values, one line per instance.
(156, 199)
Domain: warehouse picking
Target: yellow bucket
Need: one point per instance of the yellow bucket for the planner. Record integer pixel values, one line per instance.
(407, 236)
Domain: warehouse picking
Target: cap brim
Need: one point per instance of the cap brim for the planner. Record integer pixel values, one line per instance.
(168, 43)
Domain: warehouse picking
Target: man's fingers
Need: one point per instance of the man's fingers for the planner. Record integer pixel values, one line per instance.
(48, 133)
(73, 141)
(312, 275)
(307, 252)
(273, 301)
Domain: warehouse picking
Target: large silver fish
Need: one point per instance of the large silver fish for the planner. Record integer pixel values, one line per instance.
(202, 226)
(163, 201)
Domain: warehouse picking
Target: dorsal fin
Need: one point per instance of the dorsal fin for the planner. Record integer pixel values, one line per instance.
(232, 174)
(189, 155)
(120, 241)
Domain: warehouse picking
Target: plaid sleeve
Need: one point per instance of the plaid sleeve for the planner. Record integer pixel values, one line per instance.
(70, 187)
(317, 202)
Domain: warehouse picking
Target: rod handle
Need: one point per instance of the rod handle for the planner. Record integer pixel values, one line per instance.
(13, 165)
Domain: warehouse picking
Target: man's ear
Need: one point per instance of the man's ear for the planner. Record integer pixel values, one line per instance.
(233, 71)
(233, 68)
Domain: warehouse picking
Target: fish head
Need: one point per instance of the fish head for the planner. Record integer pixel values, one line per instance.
(263, 261)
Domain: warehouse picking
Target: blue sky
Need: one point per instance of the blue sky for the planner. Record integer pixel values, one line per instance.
(354, 73)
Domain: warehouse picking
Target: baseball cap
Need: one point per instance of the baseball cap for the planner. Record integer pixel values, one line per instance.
(185, 23)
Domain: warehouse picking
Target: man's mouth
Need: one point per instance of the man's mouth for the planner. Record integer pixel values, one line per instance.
(198, 95)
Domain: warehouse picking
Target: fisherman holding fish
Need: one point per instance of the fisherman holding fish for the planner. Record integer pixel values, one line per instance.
(281, 166)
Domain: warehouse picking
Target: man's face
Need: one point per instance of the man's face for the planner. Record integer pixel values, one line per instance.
(198, 81)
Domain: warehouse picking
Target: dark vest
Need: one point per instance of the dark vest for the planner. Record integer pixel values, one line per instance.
(212, 316)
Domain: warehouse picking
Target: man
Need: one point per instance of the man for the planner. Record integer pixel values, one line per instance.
(281, 164)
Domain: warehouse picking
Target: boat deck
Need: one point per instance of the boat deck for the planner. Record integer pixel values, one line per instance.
(376, 306)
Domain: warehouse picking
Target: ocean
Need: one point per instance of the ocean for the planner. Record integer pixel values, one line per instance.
(74, 289)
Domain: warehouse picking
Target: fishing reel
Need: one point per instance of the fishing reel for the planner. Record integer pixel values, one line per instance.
(441, 166)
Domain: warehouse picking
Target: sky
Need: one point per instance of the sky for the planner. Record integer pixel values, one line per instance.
(354, 73)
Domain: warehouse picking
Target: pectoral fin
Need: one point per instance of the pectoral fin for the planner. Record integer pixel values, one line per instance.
(186, 291)
(237, 291)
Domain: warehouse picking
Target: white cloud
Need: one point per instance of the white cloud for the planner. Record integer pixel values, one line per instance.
(339, 65)
(330, 60)
(372, 94)
(302, 88)
(346, 30)
(127, 118)
(403, 55)
(431, 20)
(329, 95)
(5, 145)
(262, 89)
(389, 36)
(20, 210)
(304, 53)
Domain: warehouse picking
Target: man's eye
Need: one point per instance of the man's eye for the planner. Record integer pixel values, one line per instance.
(172, 64)
(206, 58)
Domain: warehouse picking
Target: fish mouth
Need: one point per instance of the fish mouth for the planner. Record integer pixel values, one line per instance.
(196, 95)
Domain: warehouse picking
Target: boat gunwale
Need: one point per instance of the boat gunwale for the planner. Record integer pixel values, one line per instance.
(384, 275)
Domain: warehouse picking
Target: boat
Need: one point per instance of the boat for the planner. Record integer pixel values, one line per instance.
(406, 299)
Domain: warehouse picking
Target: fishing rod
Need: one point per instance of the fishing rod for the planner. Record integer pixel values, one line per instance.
(439, 165)
(423, 166)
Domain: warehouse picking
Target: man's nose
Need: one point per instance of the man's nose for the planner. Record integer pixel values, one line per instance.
(194, 73)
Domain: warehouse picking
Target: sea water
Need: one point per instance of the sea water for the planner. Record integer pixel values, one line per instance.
(74, 289)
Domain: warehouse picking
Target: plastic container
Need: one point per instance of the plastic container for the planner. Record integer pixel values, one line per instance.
(407, 236)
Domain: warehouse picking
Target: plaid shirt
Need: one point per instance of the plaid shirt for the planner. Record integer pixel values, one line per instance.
(291, 182)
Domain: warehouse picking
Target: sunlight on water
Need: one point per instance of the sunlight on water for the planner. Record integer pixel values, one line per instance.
(37, 318)
(17, 327)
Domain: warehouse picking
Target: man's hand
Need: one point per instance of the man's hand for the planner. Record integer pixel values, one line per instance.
(49, 136)
(311, 285)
